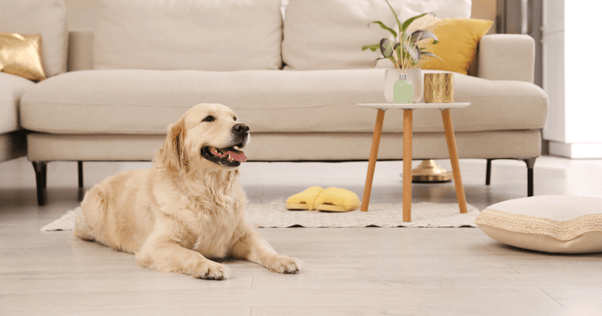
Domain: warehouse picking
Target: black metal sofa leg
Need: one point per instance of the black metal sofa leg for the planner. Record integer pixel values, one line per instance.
(530, 165)
(45, 175)
(80, 174)
(40, 167)
(488, 173)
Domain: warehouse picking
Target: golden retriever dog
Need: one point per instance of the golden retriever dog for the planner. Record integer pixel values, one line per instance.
(188, 208)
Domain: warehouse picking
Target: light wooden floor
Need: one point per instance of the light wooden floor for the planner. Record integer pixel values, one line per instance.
(369, 271)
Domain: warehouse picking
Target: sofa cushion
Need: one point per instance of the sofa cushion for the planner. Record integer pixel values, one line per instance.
(188, 34)
(329, 34)
(46, 17)
(11, 89)
(146, 101)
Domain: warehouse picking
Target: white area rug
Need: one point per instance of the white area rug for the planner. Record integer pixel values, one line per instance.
(275, 214)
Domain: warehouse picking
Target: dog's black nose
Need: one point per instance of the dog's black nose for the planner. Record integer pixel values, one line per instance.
(241, 128)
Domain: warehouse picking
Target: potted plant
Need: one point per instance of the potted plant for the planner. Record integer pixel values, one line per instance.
(403, 51)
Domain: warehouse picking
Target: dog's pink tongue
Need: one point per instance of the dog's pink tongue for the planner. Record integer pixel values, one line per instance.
(238, 157)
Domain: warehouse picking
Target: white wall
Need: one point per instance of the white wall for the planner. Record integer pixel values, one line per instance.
(571, 78)
(553, 68)
(583, 72)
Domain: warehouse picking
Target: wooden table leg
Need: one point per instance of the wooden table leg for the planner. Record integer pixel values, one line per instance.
(407, 164)
(453, 156)
(378, 129)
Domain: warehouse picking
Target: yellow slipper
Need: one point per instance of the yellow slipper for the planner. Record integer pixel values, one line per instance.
(304, 200)
(337, 200)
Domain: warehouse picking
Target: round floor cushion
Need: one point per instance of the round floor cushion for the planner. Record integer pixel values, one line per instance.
(553, 223)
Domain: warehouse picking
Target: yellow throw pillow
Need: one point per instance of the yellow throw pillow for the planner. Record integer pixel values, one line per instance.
(21, 55)
(458, 41)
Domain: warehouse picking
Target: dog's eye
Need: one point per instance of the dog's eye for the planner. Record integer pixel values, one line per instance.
(209, 118)
(235, 118)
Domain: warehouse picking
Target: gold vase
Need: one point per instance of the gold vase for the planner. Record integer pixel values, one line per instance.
(439, 88)
(430, 172)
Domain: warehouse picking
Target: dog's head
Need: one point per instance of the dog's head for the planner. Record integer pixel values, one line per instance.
(207, 136)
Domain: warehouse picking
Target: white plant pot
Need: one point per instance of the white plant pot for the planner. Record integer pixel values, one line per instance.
(414, 75)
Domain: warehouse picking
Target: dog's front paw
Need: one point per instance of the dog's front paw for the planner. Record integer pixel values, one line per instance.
(210, 270)
(283, 264)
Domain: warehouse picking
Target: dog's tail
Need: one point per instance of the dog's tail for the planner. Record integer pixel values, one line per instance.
(81, 230)
(89, 222)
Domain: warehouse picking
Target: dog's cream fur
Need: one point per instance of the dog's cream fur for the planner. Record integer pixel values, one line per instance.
(183, 210)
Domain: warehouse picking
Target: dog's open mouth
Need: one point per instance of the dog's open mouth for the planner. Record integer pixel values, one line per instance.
(227, 157)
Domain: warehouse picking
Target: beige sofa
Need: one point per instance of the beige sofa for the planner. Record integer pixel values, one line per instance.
(91, 114)
(12, 136)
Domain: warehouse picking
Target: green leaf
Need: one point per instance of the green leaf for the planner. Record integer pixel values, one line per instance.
(393, 61)
(372, 47)
(430, 55)
(376, 61)
(413, 51)
(382, 25)
(396, 17)
(422, 34)
(387, 48)
(409, 21)
(405, 38)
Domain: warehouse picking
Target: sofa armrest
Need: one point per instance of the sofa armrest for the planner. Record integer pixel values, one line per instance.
(507, 57)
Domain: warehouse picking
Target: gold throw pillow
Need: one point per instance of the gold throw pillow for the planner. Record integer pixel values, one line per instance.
(21, 55)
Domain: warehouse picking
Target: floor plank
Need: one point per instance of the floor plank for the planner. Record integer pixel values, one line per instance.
(426, 310)
(179, 298)
(362, 271)
(146, 311)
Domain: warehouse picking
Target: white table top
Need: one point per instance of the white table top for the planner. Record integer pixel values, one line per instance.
(415, 106)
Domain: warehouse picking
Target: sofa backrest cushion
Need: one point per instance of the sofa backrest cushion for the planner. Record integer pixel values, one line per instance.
(45, 17)
(188, 34)
(329, 34)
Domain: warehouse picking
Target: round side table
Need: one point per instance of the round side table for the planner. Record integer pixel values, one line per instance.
(408, 111)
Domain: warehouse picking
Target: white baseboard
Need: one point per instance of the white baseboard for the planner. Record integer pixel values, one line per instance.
(576, 150)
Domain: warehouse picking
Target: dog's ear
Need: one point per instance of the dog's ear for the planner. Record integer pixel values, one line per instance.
(172, 154)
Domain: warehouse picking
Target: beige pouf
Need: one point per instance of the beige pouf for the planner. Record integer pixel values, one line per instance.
(555, 224)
